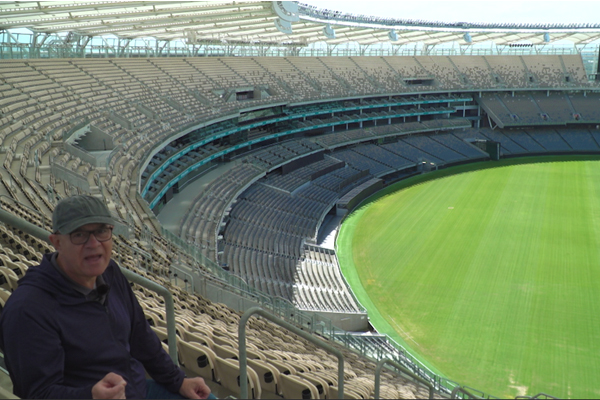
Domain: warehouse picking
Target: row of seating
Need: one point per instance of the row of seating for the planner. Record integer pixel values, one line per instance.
(274, 218)
(537, 141)
(278, 363)
(319, 271)
(552, 108)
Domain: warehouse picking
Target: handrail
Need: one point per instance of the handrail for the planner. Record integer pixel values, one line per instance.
(311, 338)
(463, 389)
(44, 235)
(537, 396)
(404, 370)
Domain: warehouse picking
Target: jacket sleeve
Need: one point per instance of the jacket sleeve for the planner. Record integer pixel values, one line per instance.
(33, 352)
(147, 348)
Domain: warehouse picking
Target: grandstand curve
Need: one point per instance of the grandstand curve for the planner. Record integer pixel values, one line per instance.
(300, 136)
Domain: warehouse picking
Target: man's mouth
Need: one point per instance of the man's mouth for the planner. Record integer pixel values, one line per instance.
(95, 257)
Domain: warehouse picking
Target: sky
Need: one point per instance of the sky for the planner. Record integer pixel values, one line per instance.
(489, 11)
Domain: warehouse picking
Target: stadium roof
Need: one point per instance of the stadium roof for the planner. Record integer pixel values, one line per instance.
(265, 22)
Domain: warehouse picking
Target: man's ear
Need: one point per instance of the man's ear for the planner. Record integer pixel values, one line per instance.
(55, 239)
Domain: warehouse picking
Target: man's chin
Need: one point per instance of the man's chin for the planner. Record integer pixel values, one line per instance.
(96, 264)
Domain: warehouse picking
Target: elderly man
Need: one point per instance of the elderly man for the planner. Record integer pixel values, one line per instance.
(74, 329)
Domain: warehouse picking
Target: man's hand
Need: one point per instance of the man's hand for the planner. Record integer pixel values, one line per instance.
(194, 388)
(112, 386)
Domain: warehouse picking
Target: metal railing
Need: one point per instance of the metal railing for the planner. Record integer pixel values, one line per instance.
(311, 338)
(404, 370)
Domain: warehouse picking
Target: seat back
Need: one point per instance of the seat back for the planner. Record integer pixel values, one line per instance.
(320, 383)
(224, 341)
(198, 359)
(229, 371)
(294, 387)
(8, 279)
(284, 367)
(268, 375)
(198, 338)
(348, 393)
(226, 351)
(161, 332)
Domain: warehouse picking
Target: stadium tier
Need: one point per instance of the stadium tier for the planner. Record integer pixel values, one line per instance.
(294, 137)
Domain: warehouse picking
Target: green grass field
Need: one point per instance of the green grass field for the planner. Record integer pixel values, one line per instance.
(489, 273)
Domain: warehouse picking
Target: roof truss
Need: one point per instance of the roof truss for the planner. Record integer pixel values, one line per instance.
(254, 22)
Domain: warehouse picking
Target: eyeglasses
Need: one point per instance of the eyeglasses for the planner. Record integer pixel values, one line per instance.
(101, 234)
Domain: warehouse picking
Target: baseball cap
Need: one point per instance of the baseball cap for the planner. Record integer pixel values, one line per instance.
(73, 212)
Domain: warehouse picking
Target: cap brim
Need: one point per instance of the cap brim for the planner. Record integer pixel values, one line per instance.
(71, 226)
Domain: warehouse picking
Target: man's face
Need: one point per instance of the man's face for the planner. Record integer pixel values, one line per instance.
(83, 262)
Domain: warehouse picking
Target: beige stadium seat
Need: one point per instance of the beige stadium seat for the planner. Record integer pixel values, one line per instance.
(196, 337)
(153, 318)
(226, 351)
(165, 347)
(320, 383)
(161, 332)
(4, 295)
(268, 375)
(229, 371)
(348, 393)
(255, 354)
(202, 328)
(198, 359)
(331, 377)
(295, 387)
(284, 367)
(8, 279)
(271, 355)
(14, 265)
(224, 341)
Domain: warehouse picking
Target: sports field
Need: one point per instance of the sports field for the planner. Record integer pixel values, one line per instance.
(489, 273)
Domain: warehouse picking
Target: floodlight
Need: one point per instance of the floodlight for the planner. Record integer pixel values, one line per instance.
(393, 35)
(467, 37)
(546, 37)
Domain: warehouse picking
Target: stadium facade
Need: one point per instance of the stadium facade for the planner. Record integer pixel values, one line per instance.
(280, 117)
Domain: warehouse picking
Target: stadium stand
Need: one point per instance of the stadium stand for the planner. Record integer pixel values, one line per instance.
(302, 132)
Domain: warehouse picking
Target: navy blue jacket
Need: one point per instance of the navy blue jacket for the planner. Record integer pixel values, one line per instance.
(57, 344)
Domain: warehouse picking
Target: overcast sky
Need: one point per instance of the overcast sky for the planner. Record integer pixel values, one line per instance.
(506, 11)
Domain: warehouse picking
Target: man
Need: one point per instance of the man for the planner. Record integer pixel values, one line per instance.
(74, 329)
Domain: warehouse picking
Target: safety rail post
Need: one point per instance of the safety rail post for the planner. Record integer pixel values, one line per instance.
(403, 369)
(313, 339)
(44, 235)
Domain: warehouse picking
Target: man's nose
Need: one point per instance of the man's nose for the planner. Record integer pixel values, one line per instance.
(92, 241)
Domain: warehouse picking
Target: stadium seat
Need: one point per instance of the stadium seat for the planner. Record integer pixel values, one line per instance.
(4, 295)
(161, 332)
(295, 387)
(225, 351)
(268, 375)
(320, 383)
(198, 338)
(229, 371)
(284, 367)
(348, 393)
(198, 359)
(8, 279)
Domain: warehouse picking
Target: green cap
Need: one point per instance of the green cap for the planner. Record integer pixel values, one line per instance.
(74, 212)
